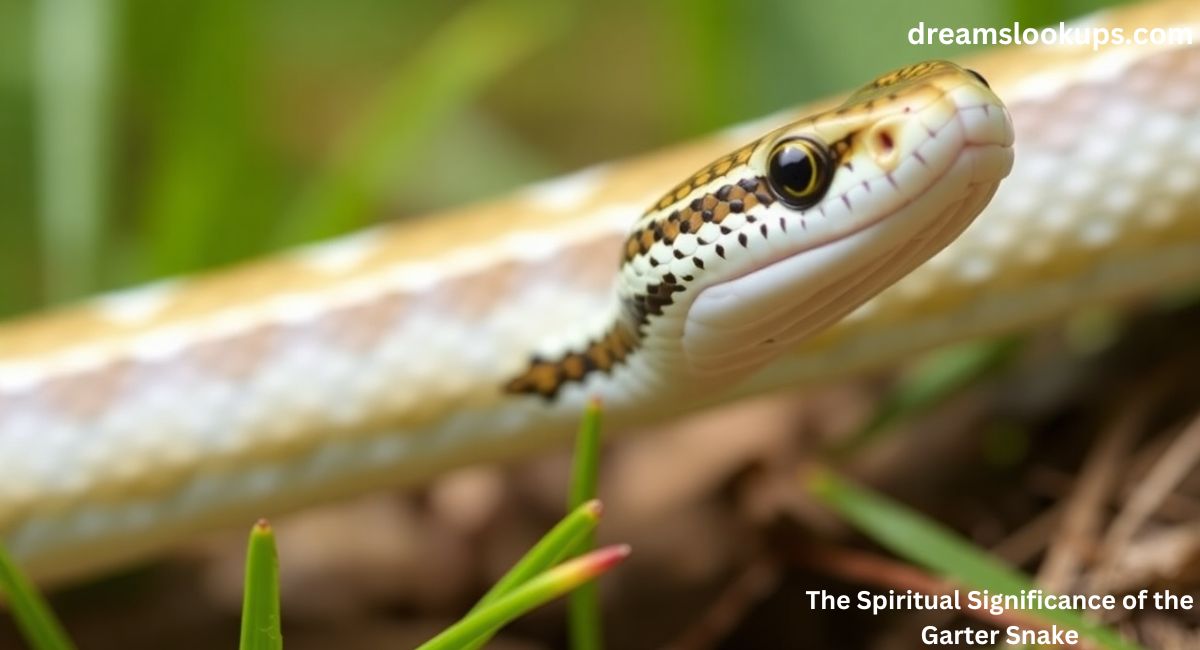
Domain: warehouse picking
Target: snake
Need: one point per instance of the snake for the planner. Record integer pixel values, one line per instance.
(805, 246)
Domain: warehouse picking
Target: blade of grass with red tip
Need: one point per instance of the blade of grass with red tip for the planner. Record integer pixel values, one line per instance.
(550, 550)
(531, 594)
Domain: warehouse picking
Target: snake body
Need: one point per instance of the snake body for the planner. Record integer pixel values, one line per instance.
(136, 419)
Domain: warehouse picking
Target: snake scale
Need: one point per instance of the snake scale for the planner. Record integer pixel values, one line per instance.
(773, 254)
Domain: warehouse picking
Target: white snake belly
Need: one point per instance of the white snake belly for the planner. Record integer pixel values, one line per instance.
(136, 419)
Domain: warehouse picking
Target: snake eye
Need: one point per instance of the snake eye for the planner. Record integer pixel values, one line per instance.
(799, 171)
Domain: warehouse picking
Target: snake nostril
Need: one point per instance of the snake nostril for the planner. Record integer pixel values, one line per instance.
(886, 143)
(882, 143)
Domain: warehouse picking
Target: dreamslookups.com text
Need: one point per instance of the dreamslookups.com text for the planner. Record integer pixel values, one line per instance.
(1062, 34)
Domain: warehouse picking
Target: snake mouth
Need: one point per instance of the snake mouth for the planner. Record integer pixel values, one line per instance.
(742, 322)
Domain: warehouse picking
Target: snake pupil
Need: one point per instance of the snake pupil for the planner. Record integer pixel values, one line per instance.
(797, 173)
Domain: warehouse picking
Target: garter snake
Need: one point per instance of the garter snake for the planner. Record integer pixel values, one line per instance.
(131, 421)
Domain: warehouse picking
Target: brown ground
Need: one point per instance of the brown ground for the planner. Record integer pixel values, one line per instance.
(1078, 466)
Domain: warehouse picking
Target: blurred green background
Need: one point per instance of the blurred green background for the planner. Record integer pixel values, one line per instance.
(144, 138)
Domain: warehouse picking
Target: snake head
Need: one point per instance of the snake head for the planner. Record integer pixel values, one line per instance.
(787, 235)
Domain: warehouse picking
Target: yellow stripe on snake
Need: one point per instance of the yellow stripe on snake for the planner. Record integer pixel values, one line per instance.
(136, 419)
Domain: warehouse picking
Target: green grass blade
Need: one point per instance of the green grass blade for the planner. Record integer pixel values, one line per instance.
(550, 550)
(931, 382)
(585, 464)
(260, 600)
(480, 43)
(530, 594)
(574, 535)
(929, 544)
(37, 623)
(583, 605)
(206, 195)
(72, 55)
